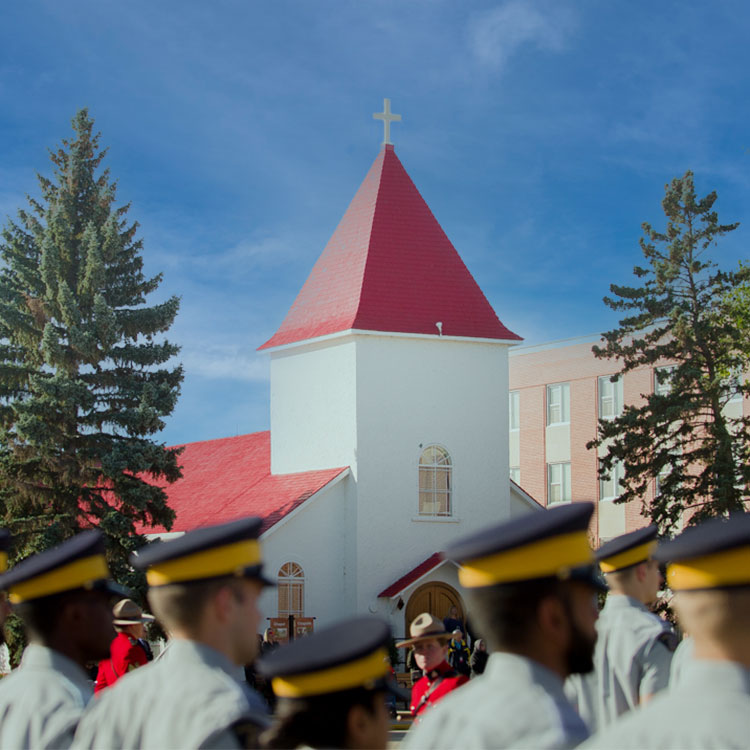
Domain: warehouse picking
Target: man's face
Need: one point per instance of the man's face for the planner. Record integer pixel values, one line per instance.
(245, 620)
(652, 582)
(429, 653)
(583, 613)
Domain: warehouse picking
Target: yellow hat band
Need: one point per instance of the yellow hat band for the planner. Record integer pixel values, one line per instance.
(548, 557)
(633, 556)
(3, 561)
(728, 568)
(344, 677)
(231, 559)
(74, 575)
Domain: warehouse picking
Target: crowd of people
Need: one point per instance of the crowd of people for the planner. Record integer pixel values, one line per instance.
(548, 670)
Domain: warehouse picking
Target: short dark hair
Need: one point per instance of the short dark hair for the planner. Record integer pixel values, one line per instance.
(182, 604)
(505, 614)
(318, 721)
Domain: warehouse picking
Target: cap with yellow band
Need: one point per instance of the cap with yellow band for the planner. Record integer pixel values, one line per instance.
(549, 544)
(78, 563)
(714, 555)
(352, 654)
(229, 549)
(627, 550)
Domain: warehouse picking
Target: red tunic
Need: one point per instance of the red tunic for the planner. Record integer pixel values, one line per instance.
(126, 654)
(447, 679)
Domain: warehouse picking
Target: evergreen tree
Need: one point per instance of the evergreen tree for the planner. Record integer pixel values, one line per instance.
(84, 375)
(681, 436)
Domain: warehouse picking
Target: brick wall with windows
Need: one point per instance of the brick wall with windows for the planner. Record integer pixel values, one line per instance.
(533, 370)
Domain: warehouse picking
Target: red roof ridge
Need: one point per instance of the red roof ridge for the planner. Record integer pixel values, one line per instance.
(389, 267)
(413, 575)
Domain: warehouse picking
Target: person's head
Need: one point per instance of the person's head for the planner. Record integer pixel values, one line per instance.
(453, 612)
(709, 571)
(429, 640)
(205, 586)
(64, 597)
(130, 619)
(532, 588)
(629, 567)
(269, 636)
(457, 635)
(480, 645)
(331, 687)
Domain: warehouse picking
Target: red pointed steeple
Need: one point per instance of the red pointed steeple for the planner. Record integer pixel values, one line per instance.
(389, 267)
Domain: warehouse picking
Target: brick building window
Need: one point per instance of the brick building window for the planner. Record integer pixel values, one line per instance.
(558, 483)
(514, 409)
(435, 481)
(610, 488)
(558, 403)
(610, 397)
(663, 379)
(291, 590)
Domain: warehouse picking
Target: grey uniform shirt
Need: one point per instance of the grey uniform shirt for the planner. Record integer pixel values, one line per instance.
(189, 698)
(516, 703)
(42, 701)
(632, 658)
(709, 708)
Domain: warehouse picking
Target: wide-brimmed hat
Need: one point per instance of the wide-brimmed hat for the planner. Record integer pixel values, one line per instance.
(424, 627)
(127, 612)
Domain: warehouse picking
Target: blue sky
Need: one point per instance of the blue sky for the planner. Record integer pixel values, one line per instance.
(540, 132)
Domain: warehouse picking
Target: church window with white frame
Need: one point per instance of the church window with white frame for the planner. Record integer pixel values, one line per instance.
(291, 590)
(610, 397)
(558, 403)
(435, 482)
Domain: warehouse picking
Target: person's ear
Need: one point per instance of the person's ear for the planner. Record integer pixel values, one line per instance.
(640, 571)
(222, 603)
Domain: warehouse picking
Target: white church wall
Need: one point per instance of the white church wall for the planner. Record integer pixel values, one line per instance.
(413, 392)
(313, 396)
(312, 537)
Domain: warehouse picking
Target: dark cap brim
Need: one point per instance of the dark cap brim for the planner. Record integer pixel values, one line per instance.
(591, 575)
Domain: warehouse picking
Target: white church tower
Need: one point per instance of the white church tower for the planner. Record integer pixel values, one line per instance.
(392, 362)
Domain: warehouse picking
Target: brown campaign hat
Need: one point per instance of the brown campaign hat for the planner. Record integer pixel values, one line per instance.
(423, 627)
(127, 612)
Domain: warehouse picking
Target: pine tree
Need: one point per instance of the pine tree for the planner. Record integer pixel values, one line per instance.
(682, 436)
(84, 374)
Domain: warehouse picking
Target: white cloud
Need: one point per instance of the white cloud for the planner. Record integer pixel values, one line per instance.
(224, 362)
(495, 35)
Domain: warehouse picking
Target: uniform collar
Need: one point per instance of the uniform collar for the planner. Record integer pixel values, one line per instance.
(723, 676)
(440, 670)
(623, 601)
(520, 669)
(41, 657)
(186, 651)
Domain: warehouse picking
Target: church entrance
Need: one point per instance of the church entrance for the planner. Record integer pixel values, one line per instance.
(436, 598)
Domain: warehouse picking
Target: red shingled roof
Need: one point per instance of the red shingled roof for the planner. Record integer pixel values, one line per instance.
(389, 267)
(230, 478)
(422, 569)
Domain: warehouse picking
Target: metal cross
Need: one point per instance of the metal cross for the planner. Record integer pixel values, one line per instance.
(387, 119)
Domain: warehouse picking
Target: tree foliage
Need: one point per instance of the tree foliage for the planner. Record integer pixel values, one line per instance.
(683, 315)
(85, 380)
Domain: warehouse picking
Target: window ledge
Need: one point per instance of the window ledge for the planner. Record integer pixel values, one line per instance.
(437, 519)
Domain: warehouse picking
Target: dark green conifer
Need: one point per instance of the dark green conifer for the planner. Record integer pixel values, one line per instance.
(85, 379)
(681, 436)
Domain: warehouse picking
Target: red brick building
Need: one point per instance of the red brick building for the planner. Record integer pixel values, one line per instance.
(557, 393)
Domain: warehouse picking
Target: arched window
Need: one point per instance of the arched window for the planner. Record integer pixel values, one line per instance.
(435, 482)
(291, 588)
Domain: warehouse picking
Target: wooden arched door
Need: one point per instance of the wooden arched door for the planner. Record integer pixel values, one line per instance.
(436, 598)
